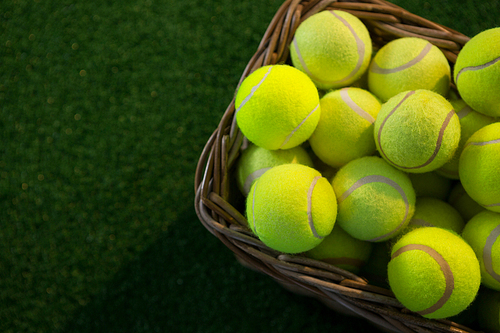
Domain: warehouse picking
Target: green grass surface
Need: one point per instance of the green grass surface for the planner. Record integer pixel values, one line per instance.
(105, 107)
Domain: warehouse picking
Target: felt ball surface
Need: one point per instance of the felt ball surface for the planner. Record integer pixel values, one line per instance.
(434, 272)
(417, 131)
(333, 47)
(408, 63)
(291, 208)
(345, 128)
(477, 72)
(375, 200)
(479, 167)
(277, 107)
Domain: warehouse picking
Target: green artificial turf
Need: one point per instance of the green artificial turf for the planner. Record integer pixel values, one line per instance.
(105, 107)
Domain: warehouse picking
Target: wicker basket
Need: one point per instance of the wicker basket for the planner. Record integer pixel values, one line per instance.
(220, 206)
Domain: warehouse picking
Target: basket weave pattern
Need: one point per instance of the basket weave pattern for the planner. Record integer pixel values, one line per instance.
(219, 206)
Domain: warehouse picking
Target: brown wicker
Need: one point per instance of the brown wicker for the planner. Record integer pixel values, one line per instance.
(220, 207)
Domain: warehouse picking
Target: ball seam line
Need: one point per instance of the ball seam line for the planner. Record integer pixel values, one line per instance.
(443, 265)
(439, 141)
(487, 253)
(476, 68)
(289, 136)
(254, 89)
(379, 70)
(344, 94)
(482, 143)
(379, 179)
(251, 177)
(309, 207)
(464, 112)
(361, 55)
(421, 222)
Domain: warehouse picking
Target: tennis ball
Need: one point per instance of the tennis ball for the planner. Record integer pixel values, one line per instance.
(463, 203)
(434, 272)
(477, 72)
(482, 232)
(470, 122)
(277, 107)
(432, 212)
(408, 63)
(417, 131)
(342, 250)
(333, 47)
(375, 200)
(478, 167)
(488, 310)
(431, 184)
(255, 160)
(345, 128)
(291, 208)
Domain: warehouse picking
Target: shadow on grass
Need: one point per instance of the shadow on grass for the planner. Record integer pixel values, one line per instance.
(188, 281)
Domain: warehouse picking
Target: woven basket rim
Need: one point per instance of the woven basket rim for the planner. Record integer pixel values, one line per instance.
(337, 288)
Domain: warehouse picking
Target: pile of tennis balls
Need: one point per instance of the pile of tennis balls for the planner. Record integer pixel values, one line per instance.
(368, 160)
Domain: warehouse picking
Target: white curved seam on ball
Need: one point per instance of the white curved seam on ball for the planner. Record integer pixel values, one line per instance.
(361, 55)
(289, 136)
(476, 68)
(421, 222)
(379, 70)
(487, 253)
(309, 207)
(464, 112)
(254, 89)
(379, 179)
(344, 94)
(483, 143)
(443, 265)
(251, 177)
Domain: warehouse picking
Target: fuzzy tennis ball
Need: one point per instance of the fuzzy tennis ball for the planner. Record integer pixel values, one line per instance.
(291, 208)
(470, 122)
(432, 212)
(333, 47)
(408, 63)
(463, 203)
(488, 310)
(342, 250)
(482, 233)
(431, 184)
(375, 200)
(477, 72)
(345, 128)
(417, 131)
(277, 107)
(255, 160)
(479, 167)
(434, 272)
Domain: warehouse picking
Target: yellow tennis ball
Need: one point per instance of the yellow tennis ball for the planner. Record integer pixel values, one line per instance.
(408, 63)
(333, 47)
(431, 184)
(482, 233)
(375, 200)
(434, 272)
(342, 250)
(345, 128)
(463, 203)
(291, 208)
(470, 122)
(417, 131)
(477, 72)
(432, 212)
(255, 160)
(479, 167)
(277, 107)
